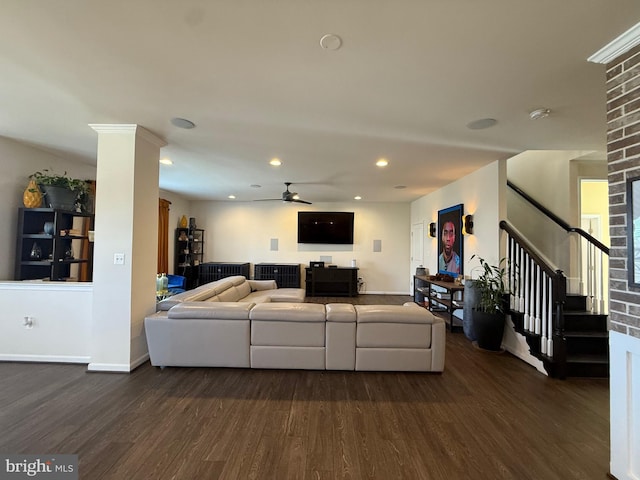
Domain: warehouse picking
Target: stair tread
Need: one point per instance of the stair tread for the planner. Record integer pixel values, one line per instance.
(586, 313)
(586, 333)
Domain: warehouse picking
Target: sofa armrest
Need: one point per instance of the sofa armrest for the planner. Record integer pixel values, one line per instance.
(257, 285)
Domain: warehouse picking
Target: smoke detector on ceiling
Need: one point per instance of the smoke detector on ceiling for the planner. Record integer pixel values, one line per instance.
(539, 113)
(330, 41)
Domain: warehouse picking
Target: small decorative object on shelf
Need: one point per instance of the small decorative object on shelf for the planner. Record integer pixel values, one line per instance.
(32, 196)
(62, 191)
(184, 223)
(36, 252)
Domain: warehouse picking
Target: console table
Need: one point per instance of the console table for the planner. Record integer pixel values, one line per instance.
(441, 298)
(331, 281)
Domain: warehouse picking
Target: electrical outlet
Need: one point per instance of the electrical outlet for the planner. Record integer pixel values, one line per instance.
(118, 258)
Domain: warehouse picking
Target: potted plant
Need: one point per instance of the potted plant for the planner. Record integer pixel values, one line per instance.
(488, 310)
(62, 191)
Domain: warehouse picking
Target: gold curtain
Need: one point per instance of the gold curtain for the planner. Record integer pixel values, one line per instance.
(163, 236)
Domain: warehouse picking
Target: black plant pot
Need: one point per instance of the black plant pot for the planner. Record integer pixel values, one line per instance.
(59, 197)
(489, 328)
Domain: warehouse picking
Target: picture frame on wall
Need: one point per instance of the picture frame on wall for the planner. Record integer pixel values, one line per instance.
(633, 231)
(450, 244)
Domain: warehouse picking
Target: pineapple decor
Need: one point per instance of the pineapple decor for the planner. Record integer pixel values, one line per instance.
(32, 196)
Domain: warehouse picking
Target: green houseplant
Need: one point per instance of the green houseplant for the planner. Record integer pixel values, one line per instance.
(62, 191)
(489, 308)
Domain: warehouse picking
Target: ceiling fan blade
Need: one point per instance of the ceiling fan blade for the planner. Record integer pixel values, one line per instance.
(268, 200)
(302, 201)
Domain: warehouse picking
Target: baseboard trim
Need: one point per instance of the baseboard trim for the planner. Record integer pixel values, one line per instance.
(139, 361)
(44, 358)
(109, 367)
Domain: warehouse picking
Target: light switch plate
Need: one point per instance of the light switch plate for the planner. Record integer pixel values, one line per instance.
(118, 258)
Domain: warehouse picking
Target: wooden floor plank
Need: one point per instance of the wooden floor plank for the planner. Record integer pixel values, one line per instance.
(487, 416)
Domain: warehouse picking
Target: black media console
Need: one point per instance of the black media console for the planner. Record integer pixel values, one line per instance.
(332, 282)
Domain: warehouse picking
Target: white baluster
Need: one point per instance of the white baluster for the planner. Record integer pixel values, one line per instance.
(527, 270)
(537, 300)
(550, 321)
(543, 338)
(521, 280)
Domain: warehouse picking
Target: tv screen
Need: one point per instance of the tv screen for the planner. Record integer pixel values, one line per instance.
(325, 227)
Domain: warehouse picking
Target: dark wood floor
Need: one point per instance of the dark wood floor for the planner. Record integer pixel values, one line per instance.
(488, 416)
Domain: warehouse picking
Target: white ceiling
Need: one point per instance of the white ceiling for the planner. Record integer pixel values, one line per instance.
(411, 74)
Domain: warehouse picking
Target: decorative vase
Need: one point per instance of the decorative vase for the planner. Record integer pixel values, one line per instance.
(489, 328)
(32, 196)
(48, 228)
(470, 300)
(184, 223)
(36, 252)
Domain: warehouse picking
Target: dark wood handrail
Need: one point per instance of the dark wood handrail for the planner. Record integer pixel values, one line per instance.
(557, 220)
(548, 269)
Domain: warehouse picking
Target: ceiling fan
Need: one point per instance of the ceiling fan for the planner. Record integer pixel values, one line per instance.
(287, 196)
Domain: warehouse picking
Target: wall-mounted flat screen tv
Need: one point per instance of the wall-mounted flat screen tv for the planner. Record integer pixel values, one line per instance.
(325, 227)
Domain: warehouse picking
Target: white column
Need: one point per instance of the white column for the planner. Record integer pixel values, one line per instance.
(126, 224)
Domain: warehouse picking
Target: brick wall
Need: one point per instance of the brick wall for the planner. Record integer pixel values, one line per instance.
(623, 147)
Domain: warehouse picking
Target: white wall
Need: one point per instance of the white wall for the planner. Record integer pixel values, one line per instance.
(242, 232)
(18, 162)
(480, 192)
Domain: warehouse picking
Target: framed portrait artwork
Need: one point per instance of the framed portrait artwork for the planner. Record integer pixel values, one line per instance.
(450, 244)
(633, 231)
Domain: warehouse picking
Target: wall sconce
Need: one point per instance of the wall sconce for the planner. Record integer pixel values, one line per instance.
(432, 229)
(468, 225)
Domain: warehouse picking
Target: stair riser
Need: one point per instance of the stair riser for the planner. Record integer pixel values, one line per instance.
(576, 303)
(587, 370)
(597, 346)
(585, 323)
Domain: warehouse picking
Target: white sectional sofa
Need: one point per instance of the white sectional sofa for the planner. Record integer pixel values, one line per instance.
(243, 323)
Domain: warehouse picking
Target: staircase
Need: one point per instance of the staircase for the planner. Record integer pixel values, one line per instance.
(567, 332)
(584, 349)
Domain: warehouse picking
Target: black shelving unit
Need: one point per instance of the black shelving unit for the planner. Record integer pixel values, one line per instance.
(441, 298)
(286, 275)
(53, 244)
(331, 282)
(189, 254)
(212, 271)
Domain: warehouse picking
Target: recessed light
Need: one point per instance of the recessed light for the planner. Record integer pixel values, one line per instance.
(539, 113)
(182, 123)
(276, 162)
(382, 162)
(357, 197)
(400, 187)
(166, 161)
(482, 123)
(255, 185)
(231, 197)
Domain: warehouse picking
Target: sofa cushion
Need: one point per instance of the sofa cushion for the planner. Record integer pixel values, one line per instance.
(340, 312)
(393, 314)
(258, 285)
(289, 312)
(219, 310)
(393, 335)
(287, 334)
(229, 295)
(260, 296)
(199, 294)
(243, 289)
(287, 295)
